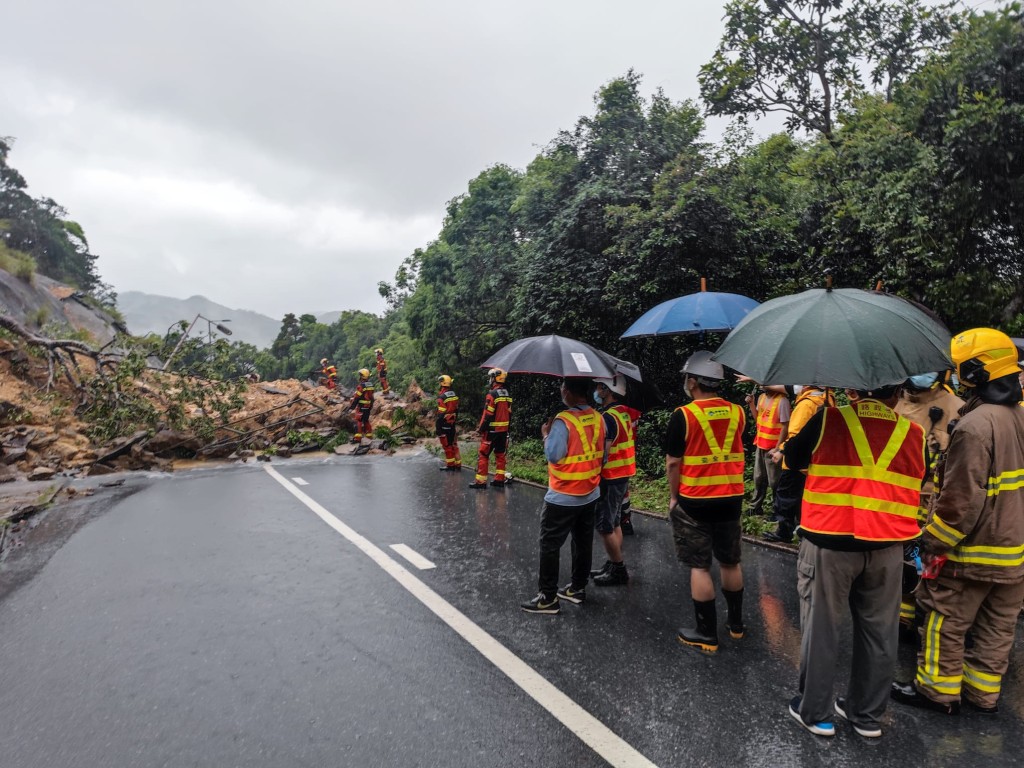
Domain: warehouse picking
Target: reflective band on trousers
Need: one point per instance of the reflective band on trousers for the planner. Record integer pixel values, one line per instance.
(622, 453)
(579, 472)
(768, 427)
(709, 471)
(870, 500)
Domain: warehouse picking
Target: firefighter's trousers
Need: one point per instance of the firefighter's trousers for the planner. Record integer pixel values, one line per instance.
(450, 444)
(951, 606)
(496, 442)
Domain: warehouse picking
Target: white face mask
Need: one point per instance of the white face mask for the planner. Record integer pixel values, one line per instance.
(798, 388)
(597, 397)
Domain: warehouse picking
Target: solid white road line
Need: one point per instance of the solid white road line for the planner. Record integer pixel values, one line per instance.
(413, 557)
(588, 728)
(299, 481)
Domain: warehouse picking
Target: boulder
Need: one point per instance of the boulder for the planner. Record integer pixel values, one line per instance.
(42, 473)
(171, 442)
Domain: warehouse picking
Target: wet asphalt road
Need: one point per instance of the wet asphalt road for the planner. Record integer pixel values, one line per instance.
(211, 619)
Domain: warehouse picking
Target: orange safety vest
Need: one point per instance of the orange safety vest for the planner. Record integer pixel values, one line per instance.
(622, 452)
(850, 492)
(712, 464)
(578, 473)
(769, 428)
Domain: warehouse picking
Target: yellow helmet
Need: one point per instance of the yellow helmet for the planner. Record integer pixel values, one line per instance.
(324, 361)
(378, 351)
(498, 375)
(983, 354)
(444, 380)
(364, 373)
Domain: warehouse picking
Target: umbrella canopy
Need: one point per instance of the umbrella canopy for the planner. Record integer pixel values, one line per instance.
(706, 311)
(836, 338)
(554, 356)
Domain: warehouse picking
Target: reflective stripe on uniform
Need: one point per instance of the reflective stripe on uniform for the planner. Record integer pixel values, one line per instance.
(1007, 481)
(944, 532)
(985, 682)
(988, 555)
(928, 672)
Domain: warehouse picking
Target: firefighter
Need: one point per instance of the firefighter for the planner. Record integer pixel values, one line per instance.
(704, 467)
(328, 374)
(447, 413)
(618, 468)
(864, 468)
(382, 372)
(972, 546)
(928, 402)
(362, 403)
(493, 429)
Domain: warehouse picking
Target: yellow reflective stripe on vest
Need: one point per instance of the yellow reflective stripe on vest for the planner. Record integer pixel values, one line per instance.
(860, 441)
(864, 473)
(861, 502)
(591, 450)
(709, 435)
(1007, 481)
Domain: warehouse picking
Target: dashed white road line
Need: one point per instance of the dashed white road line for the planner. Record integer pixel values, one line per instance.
(413, 556)
(588, 728)
(299, 481)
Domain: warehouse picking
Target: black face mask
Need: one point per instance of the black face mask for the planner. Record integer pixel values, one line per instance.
(1005, 390)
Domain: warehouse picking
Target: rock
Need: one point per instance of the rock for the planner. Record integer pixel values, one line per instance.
(99, 469)
(170, 442)
(42, 473)
(7, 474)
(12, 455)
(263, 457)
(284, 452)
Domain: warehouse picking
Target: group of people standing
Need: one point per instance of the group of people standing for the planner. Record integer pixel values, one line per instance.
(362, 400)
(901, 477)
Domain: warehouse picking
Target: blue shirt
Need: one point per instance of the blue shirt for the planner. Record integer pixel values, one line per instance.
(556, 447)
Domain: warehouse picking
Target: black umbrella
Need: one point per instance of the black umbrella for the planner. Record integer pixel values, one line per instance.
(554, 356)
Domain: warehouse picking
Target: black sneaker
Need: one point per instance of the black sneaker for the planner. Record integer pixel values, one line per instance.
(907, 693)
(478, 486)
(615, 576)
(541, 604)
(603, 569)
(867, 731)
(576, 596)
(692, 637)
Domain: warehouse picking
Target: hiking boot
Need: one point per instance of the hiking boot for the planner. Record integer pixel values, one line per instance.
(907, 693)
(867, 731)
(616, 575)
(573, 595)
(477, 486)
(603, 569)
(822, 728)
(541, 604)
(692, 637)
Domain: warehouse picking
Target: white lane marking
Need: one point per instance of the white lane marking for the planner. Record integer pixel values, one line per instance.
(299, 481)
(413, 556)
(588, 728)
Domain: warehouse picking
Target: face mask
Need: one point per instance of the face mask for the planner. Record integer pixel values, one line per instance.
(798, 388)
(923, 380)
(597, 396)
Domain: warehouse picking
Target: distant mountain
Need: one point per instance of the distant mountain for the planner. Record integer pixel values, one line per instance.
(147, 313)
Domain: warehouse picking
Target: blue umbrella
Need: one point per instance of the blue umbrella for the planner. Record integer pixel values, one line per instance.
(694, 313)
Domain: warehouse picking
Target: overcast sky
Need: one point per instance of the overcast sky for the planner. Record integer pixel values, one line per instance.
(285, 156)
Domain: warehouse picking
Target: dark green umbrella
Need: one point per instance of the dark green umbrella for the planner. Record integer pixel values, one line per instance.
(840, 337)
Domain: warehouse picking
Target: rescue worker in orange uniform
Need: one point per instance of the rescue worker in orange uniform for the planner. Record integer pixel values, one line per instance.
(972, 546)
(574, 444)
(328, 374)
(770, 411)
(493, 429)
(447, 413)
(926, 401)
(382, 372)
(704, 466)
(362, 404)
(865, 464)
(789, 490)
(618, 468)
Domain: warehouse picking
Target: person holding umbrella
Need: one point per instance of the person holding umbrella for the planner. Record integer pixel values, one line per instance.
(574, 445)
(865, 464)
(493, 429)
(704, 465)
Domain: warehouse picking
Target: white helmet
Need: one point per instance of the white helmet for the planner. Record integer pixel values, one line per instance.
(700, 365)
(616, 384)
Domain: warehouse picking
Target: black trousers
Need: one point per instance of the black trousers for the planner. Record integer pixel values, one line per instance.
(789, 494)
(556, 523)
